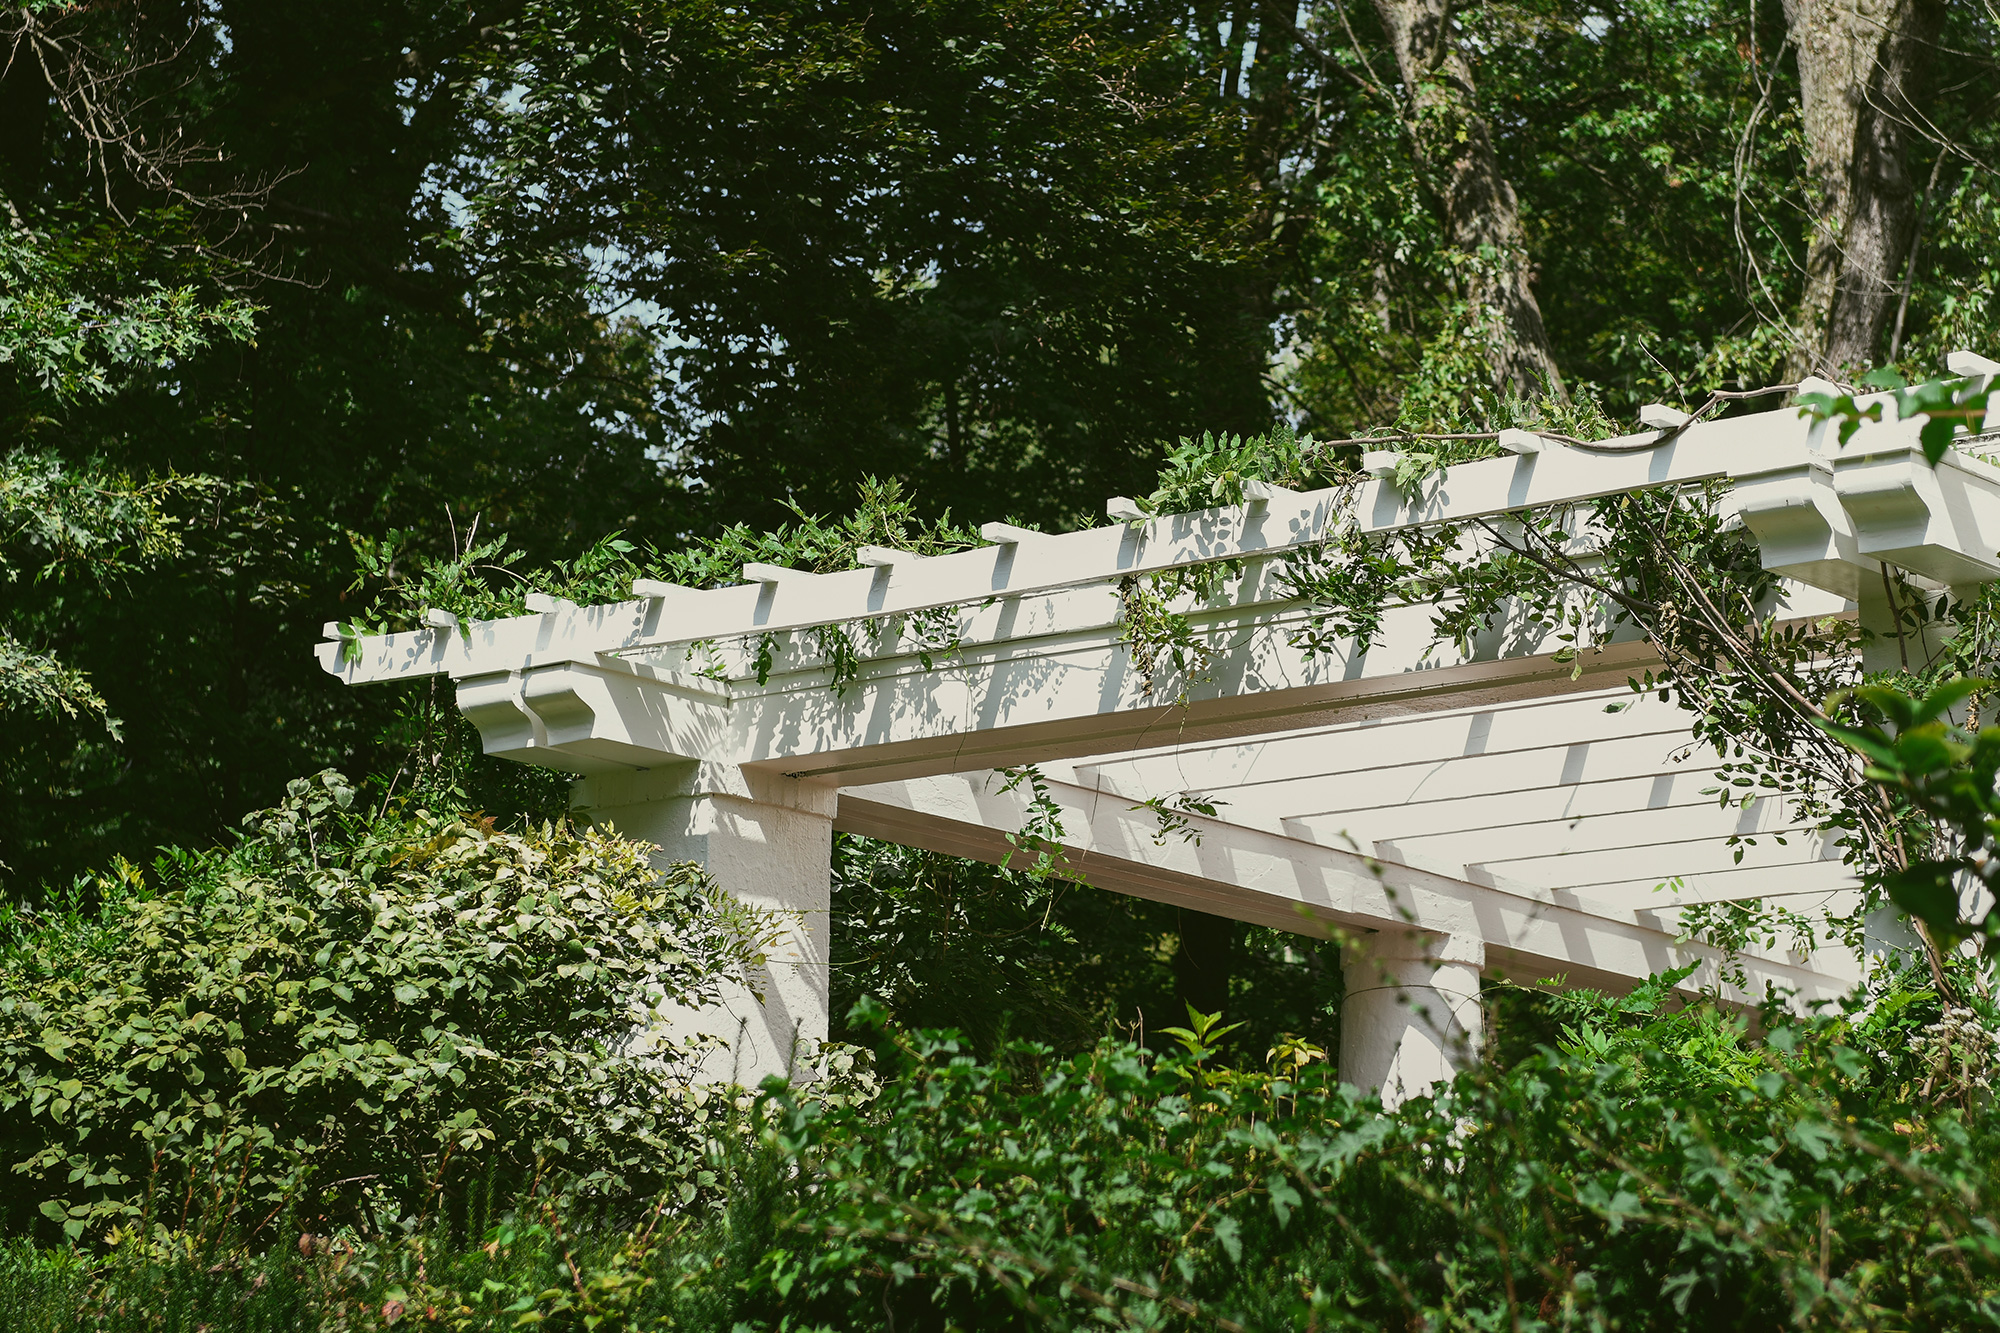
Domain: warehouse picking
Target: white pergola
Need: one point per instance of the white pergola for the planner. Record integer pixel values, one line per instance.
(1450, 814)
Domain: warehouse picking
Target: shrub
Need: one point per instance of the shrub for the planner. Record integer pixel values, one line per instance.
(380, 1008)
(1650, 1170)
(1599, 1184)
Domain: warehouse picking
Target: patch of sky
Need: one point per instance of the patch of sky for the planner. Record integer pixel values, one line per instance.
(1289, 350)
(211, 15)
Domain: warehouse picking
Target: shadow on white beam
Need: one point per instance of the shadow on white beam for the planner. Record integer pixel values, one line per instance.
(1276, 523)
(1266, 879)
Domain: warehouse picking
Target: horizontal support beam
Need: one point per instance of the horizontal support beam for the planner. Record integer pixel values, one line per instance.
(1539, 723)
(1551, 793)
(1500, 810)
(1282, 523)
(1800, 884)
(1564, 841)
(1691, 857)
(1024, 700)
(1266, 879)
(1326, 799)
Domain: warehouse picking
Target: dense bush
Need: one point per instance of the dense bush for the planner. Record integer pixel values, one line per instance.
(1652, 1169)
(349, 1011)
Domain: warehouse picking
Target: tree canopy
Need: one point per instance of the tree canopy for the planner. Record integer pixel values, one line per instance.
(300, 299)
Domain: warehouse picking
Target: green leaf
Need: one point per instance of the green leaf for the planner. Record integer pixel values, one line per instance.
(1284, 1198)
(1229, 1235)
(1928, 891)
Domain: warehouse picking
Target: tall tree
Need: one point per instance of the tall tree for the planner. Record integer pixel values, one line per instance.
(988, 246)
(1481, 213)
(1861, 64)
(991, 246)
(372, 397)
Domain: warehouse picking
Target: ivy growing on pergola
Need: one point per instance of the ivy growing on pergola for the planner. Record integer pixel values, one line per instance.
(1531, 715)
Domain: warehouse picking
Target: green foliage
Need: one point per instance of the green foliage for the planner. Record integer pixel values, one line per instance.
(577, 269)
(1651, 1170)
(1687, 1054)
(343, 1007)
(1210, 471)
(1156, 630)
(982, 949)
(990, 952)
(1173, 810)
(1947, 406)
(58, 519)
(75, 529)
(1630, 1187)
(1946, 772)
(38, 683)
(40, 1289)
(76, 314)
(1037, 845)
(1608, 1183)
(1734, 926)
(484, 579)
(825, 205)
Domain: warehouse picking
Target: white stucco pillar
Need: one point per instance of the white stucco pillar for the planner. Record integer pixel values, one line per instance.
(768, 840)
(1888, 939)
(1881, 650)
(1411, 1018)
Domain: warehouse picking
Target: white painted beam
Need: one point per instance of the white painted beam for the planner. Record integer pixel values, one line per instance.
(1569, 804)
(1025, 698)
(1325, 799)
(1807, 880)
(1551, 835)
(1692, 856)
(1394, 742)
(1266, 879)
(1277, 524)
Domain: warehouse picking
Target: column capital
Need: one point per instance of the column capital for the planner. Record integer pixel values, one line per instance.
(694, 779)
(1397, 945)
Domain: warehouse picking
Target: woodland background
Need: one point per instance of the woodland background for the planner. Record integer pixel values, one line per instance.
(298, 299)
(323, 313)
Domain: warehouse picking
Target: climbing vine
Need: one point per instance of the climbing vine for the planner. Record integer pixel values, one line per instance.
(1174, 813)
(1767, 691)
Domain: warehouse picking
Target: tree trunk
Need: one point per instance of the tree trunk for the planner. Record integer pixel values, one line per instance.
(1859, 63)
(1482, 218)
(1205, 961)
(24, 110)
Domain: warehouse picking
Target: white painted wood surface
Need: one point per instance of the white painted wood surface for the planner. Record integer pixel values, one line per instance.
(1482, 800)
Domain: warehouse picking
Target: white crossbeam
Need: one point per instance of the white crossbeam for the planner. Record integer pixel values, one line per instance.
(1025, 568)
(1255, 876)
(1333, 791)
(1071, 690)
(1361, 746)
(1556, 793)
(1562, 843)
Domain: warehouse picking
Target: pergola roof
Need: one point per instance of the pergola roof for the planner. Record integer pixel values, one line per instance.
(1493, 778)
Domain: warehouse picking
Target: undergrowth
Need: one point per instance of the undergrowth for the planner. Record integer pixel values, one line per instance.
(1647, 1167)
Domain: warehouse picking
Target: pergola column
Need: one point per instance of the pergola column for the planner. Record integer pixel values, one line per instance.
(767, 840)
(1411, 1018)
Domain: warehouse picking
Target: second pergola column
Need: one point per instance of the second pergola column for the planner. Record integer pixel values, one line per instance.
(1411, 1018)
